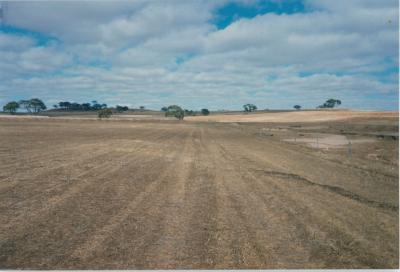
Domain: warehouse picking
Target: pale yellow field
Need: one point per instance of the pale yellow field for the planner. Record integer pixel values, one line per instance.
(294, 116)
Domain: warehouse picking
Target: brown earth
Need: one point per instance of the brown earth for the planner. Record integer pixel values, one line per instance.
(294, 116)
(120, 194)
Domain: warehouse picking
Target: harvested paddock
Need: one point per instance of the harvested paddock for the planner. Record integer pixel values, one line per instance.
(88, 194)
(294, 116)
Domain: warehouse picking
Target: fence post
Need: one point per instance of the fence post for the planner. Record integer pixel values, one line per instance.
(349, 149)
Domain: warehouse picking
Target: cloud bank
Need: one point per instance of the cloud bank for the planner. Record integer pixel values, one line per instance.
(156, 53)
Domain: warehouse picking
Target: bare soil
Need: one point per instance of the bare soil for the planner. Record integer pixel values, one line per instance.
(91, 194)
(294, 116)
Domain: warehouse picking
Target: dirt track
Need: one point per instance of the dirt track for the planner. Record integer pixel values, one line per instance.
(117, 195)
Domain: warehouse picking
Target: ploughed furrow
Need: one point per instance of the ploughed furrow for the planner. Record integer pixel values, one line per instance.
(142, 195)
(68, 219)
(169, 249)
(134, 237)
(375, 187)
(33, 163)
(337, 235)
(253, 225)
(37, 195)
(334, 189)
(201, 208)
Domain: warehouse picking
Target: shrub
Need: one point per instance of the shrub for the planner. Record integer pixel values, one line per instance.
(205, 111)
(11, 107)
(105, 113)
(175, 111)
(249, 107)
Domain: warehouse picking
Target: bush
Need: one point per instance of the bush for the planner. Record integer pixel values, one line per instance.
(205, 111)
(11, 107)
(34, 105)
(105, 113)
(175, 111)
(189, 113)
(249, 107)
(121, 108)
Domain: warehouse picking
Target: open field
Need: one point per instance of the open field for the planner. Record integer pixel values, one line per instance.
(116, 194)
(295, 116)
(273, 116)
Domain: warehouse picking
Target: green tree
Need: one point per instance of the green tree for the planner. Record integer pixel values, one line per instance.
(297, 107)
(11, 107)
(164, 109)
(249, 107)
(331, 103)
(121, 108)
(96, 106)
(104, 113)
(37, 105)
(189, 113)
(205, 111)
(86, 106)
(25, 104)
(33, 105)
(175, 111)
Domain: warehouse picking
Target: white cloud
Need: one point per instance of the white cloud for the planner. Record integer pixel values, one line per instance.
(15, 43)
(160, 52)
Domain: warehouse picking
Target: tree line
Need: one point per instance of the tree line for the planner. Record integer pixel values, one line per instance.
(35, 105)
(73, 106)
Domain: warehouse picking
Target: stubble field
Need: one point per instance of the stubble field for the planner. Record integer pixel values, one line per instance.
(161, 194)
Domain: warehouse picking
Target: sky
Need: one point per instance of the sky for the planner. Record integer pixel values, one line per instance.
(216, 54)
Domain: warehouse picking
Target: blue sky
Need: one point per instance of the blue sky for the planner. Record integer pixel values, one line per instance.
(215, 54)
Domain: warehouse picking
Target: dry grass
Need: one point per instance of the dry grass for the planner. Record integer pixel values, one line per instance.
(294, 116)
(115, 195)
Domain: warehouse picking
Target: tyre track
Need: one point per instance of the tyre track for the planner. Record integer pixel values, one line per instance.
(93, 248)
(255, 224)
(335, 189)
(338, 253)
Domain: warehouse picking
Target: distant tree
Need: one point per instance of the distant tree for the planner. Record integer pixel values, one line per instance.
(104, 113)
(95, 105)
(121, 108)
(25, 104)
(141, 108)
(86, 106)
(249, 107)
(189, 113)
(297, 107)
(33, 105)
(64, 105)
(331, 103)
(175, 111)
(164, 109)
(68, 105)
(11, 107)
(37, 105)
(55, 106)
(75, 106)
(205, 111)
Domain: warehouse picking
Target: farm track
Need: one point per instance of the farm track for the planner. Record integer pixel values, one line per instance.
(157, 196)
